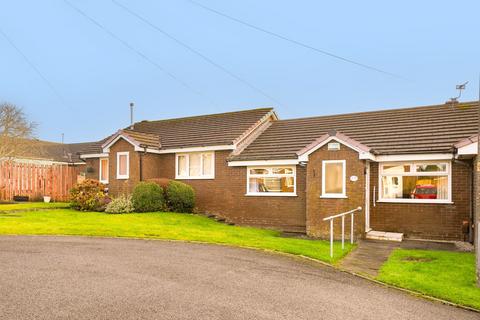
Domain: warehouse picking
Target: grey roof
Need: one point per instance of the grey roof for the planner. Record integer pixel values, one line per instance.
(427, 129)
(200, 131)
(52, 151)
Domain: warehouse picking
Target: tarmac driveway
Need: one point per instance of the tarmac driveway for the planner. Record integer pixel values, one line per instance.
(91, 278)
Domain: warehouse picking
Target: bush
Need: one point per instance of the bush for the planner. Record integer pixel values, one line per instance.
(148, 197)
(122, 204)
(89, 195)
(162, 182)
(180, 197)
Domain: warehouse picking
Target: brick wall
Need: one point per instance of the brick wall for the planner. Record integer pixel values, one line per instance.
(225, 196)
(319, 208)
(92, 168)
(125, 186)
(422, 220)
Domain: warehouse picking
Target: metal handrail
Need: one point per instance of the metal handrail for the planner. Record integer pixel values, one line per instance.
(341, 215)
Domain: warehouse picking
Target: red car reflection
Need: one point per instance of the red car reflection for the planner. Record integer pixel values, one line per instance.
(426, 191)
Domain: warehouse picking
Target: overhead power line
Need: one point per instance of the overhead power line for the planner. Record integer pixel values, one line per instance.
(195, 51)
(32, 65)
(136, 51)
(296, 42)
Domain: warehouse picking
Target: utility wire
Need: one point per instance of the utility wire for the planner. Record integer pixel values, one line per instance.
(198, 53)
(32, 65)
(274, 34)
(138, 52)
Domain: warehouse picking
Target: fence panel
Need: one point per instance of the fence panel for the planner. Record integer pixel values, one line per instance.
(37, 180)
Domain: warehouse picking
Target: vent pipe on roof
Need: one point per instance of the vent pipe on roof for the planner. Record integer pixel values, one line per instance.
(131, 114)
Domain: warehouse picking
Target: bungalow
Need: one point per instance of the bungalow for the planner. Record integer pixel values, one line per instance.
(411, 169)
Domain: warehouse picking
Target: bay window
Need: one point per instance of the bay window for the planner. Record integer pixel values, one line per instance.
(103, 170)
(415, 182)
(333, 179)
(195, 165)
(271, 181)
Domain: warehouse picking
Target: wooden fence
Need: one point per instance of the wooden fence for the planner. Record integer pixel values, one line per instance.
(37, 180)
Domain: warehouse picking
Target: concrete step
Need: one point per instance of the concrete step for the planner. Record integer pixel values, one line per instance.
(382, 235)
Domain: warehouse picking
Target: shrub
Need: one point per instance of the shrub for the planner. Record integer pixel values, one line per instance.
(162, 182)
(148, 197)
(180, 197)
(89, 195)
(122, 204)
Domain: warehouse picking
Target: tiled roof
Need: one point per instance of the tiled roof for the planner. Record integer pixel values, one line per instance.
(52, 151)
(428, 129)
(206, 130)
(140, 139)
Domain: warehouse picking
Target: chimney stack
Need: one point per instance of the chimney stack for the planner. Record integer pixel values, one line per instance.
(131, 114)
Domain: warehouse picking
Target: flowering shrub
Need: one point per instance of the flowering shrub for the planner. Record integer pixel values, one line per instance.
(89, 195)
(122, 204)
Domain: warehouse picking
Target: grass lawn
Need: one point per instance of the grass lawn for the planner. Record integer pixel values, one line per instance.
(159, 225)
(442, 274)
(32, 206)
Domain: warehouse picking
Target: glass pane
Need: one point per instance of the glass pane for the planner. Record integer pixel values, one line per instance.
(122, 164)
(282, 170)
(269, 184)
(334, 178)
(104, 169)
(207, 164)
(195, 165)
(421, 187)
(182, 166)
(396, 168)
(431, 167)
(258, 171)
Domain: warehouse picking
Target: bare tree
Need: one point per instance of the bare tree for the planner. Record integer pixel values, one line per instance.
(16, 131)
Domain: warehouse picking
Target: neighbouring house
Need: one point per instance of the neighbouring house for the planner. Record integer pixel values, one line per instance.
(41, 168)
(411, 169)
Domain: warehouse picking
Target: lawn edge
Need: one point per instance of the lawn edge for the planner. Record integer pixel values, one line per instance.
(410, 291)
(290, 255)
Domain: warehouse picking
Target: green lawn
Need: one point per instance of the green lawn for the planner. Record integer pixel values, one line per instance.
(442, 274)
(33, 206)
(159, 225)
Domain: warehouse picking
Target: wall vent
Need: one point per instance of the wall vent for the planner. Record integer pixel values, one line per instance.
(334, 146)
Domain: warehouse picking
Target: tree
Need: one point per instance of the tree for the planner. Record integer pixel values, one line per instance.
(16, 131)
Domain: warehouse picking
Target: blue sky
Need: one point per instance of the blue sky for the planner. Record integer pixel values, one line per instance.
(433, 45)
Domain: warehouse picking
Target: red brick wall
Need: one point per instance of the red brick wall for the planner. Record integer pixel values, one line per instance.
(319, 208)
(225, 196)
(92, 168)
(426, 221)
(118, 186)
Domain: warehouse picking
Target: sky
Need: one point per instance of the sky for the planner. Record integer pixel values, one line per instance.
(87, 77)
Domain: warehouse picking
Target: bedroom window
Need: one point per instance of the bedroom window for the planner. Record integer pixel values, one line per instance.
(195, 165)
(271, 181)
(123, 164)
(103, 171)
(427, 182)
(333, 179)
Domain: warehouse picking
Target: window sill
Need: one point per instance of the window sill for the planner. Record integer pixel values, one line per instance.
(333, 197)
(104, 182)
(418, 201)
(122, 177)
(195, 178)
(271, 194)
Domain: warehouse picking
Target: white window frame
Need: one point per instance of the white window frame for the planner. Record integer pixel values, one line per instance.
(412, 164)
(127, 175)
(272, 194)
(341, 195)
(100, 171)
(187, 161)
